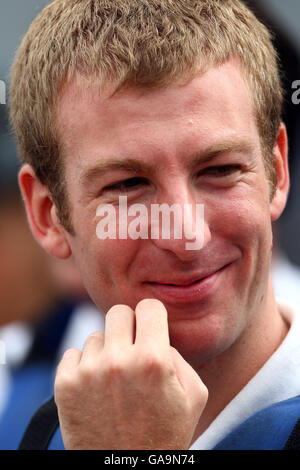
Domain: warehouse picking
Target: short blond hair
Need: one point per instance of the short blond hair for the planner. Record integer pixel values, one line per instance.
(149, 43)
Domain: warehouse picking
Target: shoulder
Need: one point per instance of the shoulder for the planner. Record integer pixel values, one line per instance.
(269, 429)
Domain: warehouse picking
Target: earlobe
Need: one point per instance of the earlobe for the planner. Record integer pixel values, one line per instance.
(41, 213)
(280, 154)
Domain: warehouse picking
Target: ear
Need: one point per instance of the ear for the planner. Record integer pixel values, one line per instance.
(42, 216)
(280, 153)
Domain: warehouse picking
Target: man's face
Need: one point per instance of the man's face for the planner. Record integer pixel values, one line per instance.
(185, 144)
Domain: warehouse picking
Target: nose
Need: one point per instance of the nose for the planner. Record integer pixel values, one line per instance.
(178, 224)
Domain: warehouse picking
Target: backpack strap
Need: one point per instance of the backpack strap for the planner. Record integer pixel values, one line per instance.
(41, 428)
(293, 442)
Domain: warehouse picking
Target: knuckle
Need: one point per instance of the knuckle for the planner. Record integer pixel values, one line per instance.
(204, 394)
(68, 355)
(96, 335)
(65, 384)
(66, 378)
(115, 367)
(201, 398)
(88, 373)
(151, 363)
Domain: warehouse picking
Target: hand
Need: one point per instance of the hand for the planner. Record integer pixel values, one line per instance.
(128, 388)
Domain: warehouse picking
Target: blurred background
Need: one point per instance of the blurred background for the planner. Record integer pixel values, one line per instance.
(44, 308)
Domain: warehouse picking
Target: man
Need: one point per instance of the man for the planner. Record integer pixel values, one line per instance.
(164, 102)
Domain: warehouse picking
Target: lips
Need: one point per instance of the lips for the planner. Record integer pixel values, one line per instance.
(189, 280)
(188, 289)
(184, 282)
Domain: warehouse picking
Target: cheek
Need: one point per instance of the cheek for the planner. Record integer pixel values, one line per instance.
(244, 222)
(107, 268)
(243, 216)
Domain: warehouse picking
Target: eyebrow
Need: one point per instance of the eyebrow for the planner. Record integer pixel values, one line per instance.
(132, 165)
(227, 146)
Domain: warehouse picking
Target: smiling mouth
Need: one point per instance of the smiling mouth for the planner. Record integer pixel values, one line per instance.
(188, 290)
(181, 284)
(191, 281)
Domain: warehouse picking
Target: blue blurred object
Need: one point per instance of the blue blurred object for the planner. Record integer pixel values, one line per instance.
(31, 382)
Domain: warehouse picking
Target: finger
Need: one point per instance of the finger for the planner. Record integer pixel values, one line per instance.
(69, 360)
(119, 327)
(152, 324)
(92, 347)
(65, 370)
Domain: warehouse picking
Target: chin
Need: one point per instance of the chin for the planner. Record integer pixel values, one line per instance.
(200, 341)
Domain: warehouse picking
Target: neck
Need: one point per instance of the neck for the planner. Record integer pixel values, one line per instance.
(226, 375)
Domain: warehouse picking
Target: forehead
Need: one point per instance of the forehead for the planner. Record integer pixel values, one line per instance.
(209, 107)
